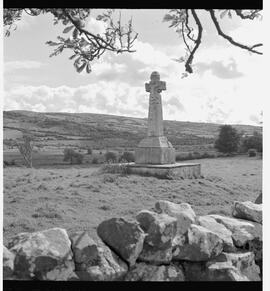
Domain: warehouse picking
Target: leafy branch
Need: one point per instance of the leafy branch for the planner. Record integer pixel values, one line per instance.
(180, 19)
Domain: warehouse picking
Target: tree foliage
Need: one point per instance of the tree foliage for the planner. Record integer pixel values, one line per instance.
(26, 149)
(127, 157)
(73, 157)
(253, 142)
(88, 46)
(110, 157)
(228, 139)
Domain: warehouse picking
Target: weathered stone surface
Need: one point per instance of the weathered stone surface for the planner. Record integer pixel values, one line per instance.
(44, 255)
(84, 248)
(242, 231)
(107, 267)
(145, 272)
(200, 244)
(219, 229)
(155, 148)
(124, 237)
(259, 199)
(247, 210)
(182, 212)
(245, 234)
(160, 229)
(243, 261)
(8, 263)
(225, 267)
(217, 271)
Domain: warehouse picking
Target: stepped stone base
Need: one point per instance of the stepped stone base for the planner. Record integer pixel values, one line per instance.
(155, 150)
(166, 171)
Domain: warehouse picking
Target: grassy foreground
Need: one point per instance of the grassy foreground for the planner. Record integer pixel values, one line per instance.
(78, 198)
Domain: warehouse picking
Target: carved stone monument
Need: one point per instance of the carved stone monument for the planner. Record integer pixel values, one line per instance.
(155, 148)
(155, 155)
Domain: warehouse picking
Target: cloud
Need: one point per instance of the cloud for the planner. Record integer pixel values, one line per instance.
(26, 64)
(220, 70)
(97, 26)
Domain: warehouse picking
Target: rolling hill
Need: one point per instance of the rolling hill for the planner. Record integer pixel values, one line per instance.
(103, 131)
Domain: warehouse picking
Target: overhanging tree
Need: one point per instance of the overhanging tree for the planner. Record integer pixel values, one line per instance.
(88, 46)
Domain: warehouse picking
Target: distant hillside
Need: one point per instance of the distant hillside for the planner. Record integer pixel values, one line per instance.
(104, 131)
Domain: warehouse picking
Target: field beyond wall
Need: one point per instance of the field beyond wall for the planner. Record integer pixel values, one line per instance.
(78, 198)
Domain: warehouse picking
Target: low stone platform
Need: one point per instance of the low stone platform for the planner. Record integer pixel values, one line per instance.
(166, 171)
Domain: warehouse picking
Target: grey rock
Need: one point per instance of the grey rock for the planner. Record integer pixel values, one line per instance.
(108, 267)
(84, 248)
(183, 212)
(8, 263)
(200, 244)
(146, 272)
(123, 237)
(43, 255)
(247, 210)
(219, 229)
(160, 230)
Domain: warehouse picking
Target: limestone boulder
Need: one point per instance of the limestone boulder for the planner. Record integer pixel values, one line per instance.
(244, 262)
(146, 272)
(43, 255)
(219, 229)
(247, 210)
(245, 234)
(124, 237)
(218, 271)
(199, 244)
(183, 212)
(106, 267)
(259, 199)
(225, 267)
(160, 230)
(84, 248)
(8, 263)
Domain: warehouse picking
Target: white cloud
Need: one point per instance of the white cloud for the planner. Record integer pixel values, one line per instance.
(26, 64)
(97, 26)
(150, 56)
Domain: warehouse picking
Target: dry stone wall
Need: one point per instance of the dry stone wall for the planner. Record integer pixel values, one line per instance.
(168, 244)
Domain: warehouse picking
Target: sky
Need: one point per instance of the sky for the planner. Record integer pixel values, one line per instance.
(226, 86)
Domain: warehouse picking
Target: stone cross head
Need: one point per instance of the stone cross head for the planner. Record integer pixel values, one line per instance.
(155, 85)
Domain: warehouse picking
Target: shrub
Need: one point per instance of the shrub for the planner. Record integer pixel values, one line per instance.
(72, 156)
(228, 139)
(127, 157)
(114, 169)
(253, 142)
(110, 157)
(252, 152)
(95, 160)
(26, 148)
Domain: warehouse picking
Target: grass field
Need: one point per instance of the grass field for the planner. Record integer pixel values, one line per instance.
(78, 198)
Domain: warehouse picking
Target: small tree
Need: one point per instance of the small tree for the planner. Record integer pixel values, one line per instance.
(26, 149)
(127, 157)
(253, 142)
(228, 139)
(110, 157)
(72, 156)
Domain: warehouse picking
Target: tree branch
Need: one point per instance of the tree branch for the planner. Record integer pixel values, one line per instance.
(252, 15)
(229, 38)
(197, 42)
(187, 26)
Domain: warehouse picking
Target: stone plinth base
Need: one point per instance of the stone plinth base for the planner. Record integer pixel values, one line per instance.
(155, 151)
(155, 156)
(168, 171)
